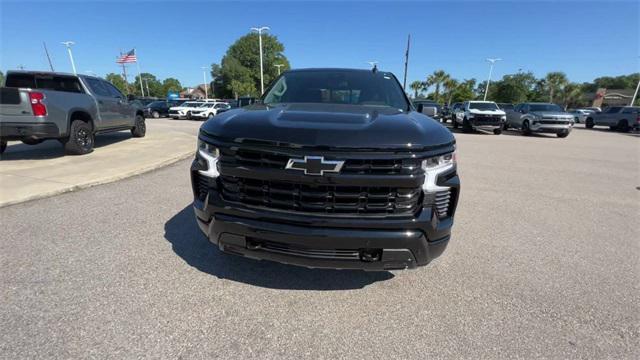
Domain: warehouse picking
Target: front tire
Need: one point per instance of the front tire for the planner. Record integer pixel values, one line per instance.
(497, 131)
(155, 114)
(140, 127)
(3, 146)
(466, 125)
(589, 123)
(562, 134)
(623, 126)
(189, 115)
(81, 138)
(505, 126)
(526, 130)
(210, 116)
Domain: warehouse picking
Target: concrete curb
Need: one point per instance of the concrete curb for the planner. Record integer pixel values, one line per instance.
(89, 184)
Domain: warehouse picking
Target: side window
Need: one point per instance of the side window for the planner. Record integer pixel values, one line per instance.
(518, 107)
(97, 87)
(113, 90)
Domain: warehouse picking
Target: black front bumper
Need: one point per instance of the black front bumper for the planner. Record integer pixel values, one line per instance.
(373, 244)
(31, 131)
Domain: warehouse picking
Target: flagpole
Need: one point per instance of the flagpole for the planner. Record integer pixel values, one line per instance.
(139, 73)
(124, 74)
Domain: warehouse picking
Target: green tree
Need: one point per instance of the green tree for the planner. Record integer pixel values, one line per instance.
(417, 87)
(171, 85)
(572, 95)
(437, 79)
(1, 79)
(555, 82)
(118, 81)
(151, 83)
(513, 88)
(239, 71)
(450, 86)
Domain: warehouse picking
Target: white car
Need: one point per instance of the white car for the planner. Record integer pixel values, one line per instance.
(479, 115)
(184, 110)
(209, 110)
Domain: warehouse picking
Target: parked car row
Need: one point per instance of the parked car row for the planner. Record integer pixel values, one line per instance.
(620, 118)
(200, 109)
(493, 117)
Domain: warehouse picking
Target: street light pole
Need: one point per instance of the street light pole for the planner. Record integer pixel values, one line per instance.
(68, 44)
(260, 30)
(204, 76)
(278, 66)
(492, 62)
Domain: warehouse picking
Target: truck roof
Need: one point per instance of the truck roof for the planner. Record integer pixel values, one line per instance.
(337, 70)
(38, 72)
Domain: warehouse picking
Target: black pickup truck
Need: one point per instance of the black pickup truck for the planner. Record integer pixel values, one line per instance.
(332, 168)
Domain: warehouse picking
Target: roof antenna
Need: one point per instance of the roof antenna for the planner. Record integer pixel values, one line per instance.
(374, 66)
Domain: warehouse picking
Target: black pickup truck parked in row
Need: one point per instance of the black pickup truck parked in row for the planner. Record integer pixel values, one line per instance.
(332, 168)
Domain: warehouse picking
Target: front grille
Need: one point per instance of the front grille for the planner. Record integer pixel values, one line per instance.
(554, 122)
(321, 199)
(288, 249)
(263, 159)
(173, 112)
(488, 119)
(202, 185)
(442, 201)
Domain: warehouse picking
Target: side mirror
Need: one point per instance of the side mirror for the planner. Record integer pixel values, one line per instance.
(130, 97)
(429, 110)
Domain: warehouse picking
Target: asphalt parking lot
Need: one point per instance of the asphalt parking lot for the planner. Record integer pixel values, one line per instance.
(543, 263)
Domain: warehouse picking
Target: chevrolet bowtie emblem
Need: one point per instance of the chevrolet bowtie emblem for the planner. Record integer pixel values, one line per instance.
(314, 165)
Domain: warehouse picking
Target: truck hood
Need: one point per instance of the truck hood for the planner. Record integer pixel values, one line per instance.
(329, 125)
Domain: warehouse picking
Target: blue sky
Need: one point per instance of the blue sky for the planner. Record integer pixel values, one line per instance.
(175, 39)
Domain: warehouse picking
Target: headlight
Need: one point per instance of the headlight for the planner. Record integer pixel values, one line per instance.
(210, 154)
(438, 162)
(435, 166)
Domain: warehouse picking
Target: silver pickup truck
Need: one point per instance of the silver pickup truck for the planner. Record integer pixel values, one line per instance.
(540, 118)
(37, 106)
(621, 118)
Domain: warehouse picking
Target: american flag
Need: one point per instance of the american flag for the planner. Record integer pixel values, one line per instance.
(129, 57)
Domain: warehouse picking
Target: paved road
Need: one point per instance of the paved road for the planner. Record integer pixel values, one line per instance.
(32, 172)
(544, 262)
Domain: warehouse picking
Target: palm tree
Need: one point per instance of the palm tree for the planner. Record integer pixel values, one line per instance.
(417, 87)
(450, 86)
(437, 78)
(572, 94)
(555, 82)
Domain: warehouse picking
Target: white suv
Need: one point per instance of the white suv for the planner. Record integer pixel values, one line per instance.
(209, 110)
(184, 110)
(479, 115)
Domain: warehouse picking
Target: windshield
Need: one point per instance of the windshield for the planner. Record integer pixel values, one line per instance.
(156, 103)
(544, 107)
(191, 104)
(338, 87)
(483, 106)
